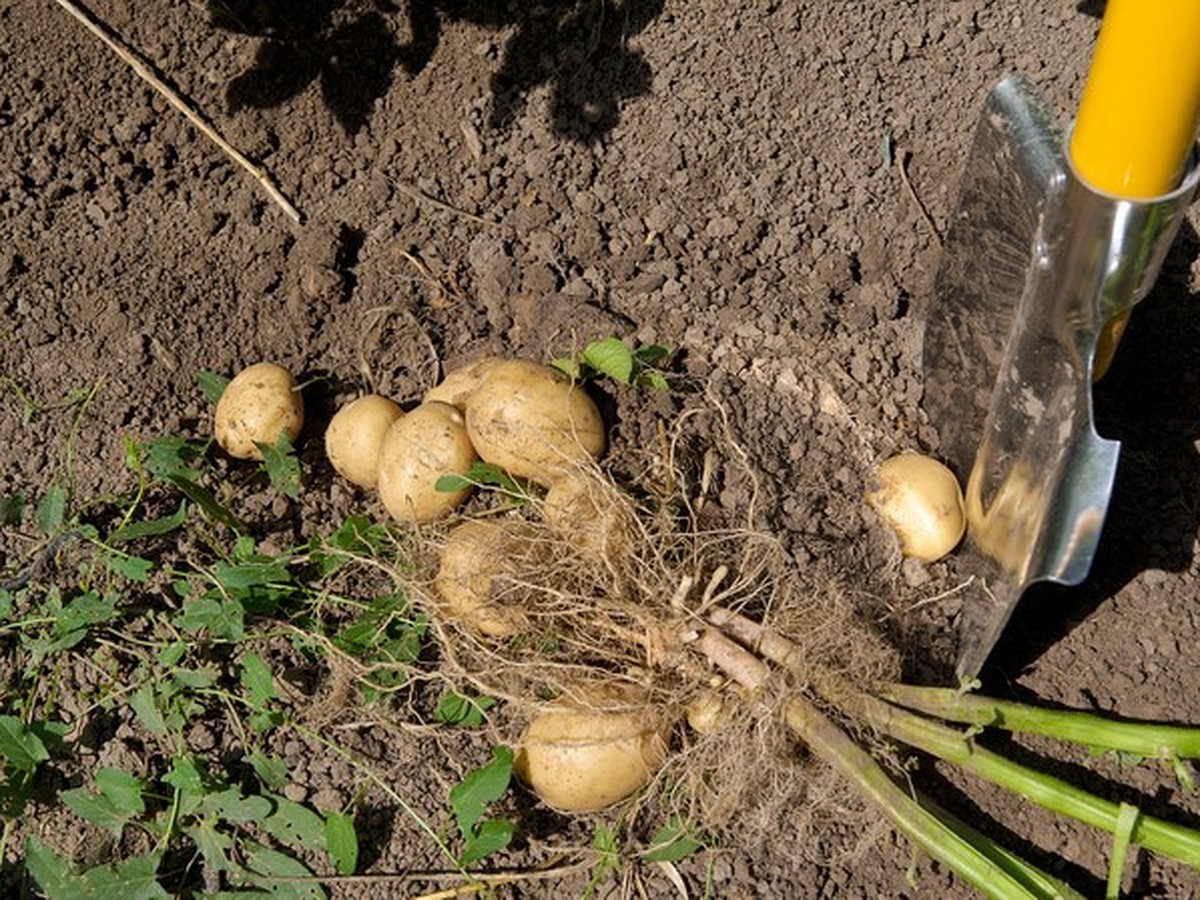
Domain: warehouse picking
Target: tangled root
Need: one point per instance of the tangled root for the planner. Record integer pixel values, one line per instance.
(595, 586)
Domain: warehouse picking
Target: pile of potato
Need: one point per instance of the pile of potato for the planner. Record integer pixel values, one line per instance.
(539, 425)
(527, 418)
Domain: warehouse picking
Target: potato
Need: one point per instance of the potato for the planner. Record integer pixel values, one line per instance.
(709, 712)
(479, 566)
(460, 384)
(919, 498)
(258, 405)
(580, 760)
(533, 421)
(418, 449)
(591, 514)
(355, 435)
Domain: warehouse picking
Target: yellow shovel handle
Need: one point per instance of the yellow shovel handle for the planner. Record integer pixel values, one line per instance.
(1138, 113)
(1140, 105)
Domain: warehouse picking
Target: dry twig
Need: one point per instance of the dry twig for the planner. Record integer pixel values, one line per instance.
(143, 70)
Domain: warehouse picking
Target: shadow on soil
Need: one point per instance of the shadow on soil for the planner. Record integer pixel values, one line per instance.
(576, 47)
(1150, 401)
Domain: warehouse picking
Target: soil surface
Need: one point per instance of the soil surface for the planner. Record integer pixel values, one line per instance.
(764, 185)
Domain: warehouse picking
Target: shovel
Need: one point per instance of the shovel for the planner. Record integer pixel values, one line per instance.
(1052, 244)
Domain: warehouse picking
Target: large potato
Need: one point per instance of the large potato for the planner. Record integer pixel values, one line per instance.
(259, 404)
(480, 567)
(580, 760)
(417, 450)
(533, 421)
(355, 435)
(460, 384)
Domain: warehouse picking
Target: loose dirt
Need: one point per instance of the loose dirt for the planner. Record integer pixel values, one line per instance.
(762, 184)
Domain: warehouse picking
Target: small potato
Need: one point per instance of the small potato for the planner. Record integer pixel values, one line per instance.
(355, 434)
(592, 514)
(479, 569)
(418, 449)
(258, 405)
(460, 384)
(919, 498)
(533, 421)
(709, 712)
(580, 760)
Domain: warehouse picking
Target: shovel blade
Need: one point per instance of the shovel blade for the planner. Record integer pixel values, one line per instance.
(1035, 262)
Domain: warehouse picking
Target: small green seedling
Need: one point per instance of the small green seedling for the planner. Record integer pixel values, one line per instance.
(643, 365)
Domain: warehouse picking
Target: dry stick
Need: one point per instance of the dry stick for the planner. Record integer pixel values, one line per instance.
(902, 166)
(422, 197)
(143, 71)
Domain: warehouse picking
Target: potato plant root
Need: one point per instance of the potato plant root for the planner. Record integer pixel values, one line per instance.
(597, 613)
(685, 607)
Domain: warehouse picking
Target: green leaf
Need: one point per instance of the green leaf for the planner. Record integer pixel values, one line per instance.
(12, 509)
(144, 704)
(131, 879)
(608, 856)
(257, 680)
(672, 842)
(295, 824)
(52, 510)
(52, 873)
(569, 366)
(170, 655)
(480, 787)
(119, 800)
(467, 712)
(151, 527)
(170, 458)
(489, 837)
(452, 483)
(653, 379)
(481, 474)
(357, 536)
(271, 770)
(341, 842)
(652, 354)
(610, 357)
(264, 865)
(230, 805)
(185, 776)
(194, 679)
(222, 620)
(262, 571)
(97, 809)
(20, 745)
(282, 466)
(212, 385)
(135, 568)
(213, 845)
(206, 501)
(73, 620)
(121, 789)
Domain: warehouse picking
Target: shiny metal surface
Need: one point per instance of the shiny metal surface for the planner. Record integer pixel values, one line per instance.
(1035, 262)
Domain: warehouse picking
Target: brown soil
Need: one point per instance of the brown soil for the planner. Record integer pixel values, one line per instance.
(724, 176)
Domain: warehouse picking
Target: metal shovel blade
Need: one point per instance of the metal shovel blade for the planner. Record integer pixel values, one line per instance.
(1034, 264)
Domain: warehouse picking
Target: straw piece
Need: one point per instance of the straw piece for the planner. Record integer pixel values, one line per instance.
(143, 71)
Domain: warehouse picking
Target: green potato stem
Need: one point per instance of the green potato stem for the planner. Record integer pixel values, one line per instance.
(1146, 739)
(997, 873)
(1045, 790)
